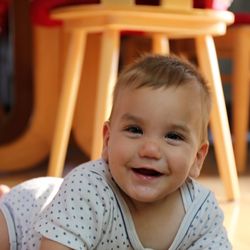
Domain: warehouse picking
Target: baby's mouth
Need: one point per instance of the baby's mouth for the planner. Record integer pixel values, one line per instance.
(147, 172)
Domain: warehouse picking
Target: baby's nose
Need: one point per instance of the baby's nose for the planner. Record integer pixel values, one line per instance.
(150, 149)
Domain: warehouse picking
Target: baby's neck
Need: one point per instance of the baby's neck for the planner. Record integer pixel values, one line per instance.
(157, 223)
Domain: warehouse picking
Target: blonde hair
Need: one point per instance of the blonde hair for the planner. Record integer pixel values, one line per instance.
(157, 71)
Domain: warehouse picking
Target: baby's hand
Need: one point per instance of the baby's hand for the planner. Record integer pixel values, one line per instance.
(3, 190)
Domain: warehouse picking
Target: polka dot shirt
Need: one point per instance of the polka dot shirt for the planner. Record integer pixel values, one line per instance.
(84, 214)
(88, 212)
(21, 208)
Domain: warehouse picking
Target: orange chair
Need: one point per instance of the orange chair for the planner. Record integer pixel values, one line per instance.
(173, 19)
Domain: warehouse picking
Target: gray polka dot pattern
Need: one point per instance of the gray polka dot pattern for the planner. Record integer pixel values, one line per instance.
(24, 203)
(88, 212)
(84, 214)
(204, 229)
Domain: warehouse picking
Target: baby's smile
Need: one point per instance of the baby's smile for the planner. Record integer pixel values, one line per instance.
(147, 172)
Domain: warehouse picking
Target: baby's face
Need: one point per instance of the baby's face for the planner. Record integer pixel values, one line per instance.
(153, 141)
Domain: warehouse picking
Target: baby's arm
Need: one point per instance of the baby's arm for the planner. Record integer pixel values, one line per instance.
(47, 244)
(4, 236)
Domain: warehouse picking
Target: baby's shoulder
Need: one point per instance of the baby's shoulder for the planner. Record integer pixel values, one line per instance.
(193, 191)
(91, 180)
(97, 167)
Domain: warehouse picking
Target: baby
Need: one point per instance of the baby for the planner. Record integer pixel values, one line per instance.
(141, 194)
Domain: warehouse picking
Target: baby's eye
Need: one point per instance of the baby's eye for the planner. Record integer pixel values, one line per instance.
(174, 136)
(134, 130)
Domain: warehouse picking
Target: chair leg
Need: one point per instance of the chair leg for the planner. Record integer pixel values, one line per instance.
(240, 93)
(160, 44)
(110, 47)
(67, 102)
(219, 122)
(84, 117)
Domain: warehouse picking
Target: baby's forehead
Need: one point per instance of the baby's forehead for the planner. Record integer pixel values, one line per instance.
(162, 110)
(127, 89)
(191, 93)
(170, 96)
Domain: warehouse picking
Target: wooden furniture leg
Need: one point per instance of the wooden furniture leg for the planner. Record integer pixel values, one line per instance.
(67, 102)
(85, 108)
(160, 44)
(234, 46)
(108, 70)
(219, 122)
(240, 94)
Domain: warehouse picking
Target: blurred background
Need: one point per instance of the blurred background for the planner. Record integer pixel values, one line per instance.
(25, 134)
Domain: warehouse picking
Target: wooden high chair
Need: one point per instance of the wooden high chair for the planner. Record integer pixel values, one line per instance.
(173, 19)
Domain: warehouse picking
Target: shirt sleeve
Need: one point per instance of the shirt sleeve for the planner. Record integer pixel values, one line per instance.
(207, 227)
(77, 217)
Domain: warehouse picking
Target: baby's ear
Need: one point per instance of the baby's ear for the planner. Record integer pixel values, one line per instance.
(106, 135)
(199, 160)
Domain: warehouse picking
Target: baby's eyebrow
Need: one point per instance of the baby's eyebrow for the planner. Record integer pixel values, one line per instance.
(130, 117)
(180, 127)
(176, 126)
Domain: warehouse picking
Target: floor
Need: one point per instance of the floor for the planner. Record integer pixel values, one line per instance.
(237, 219)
